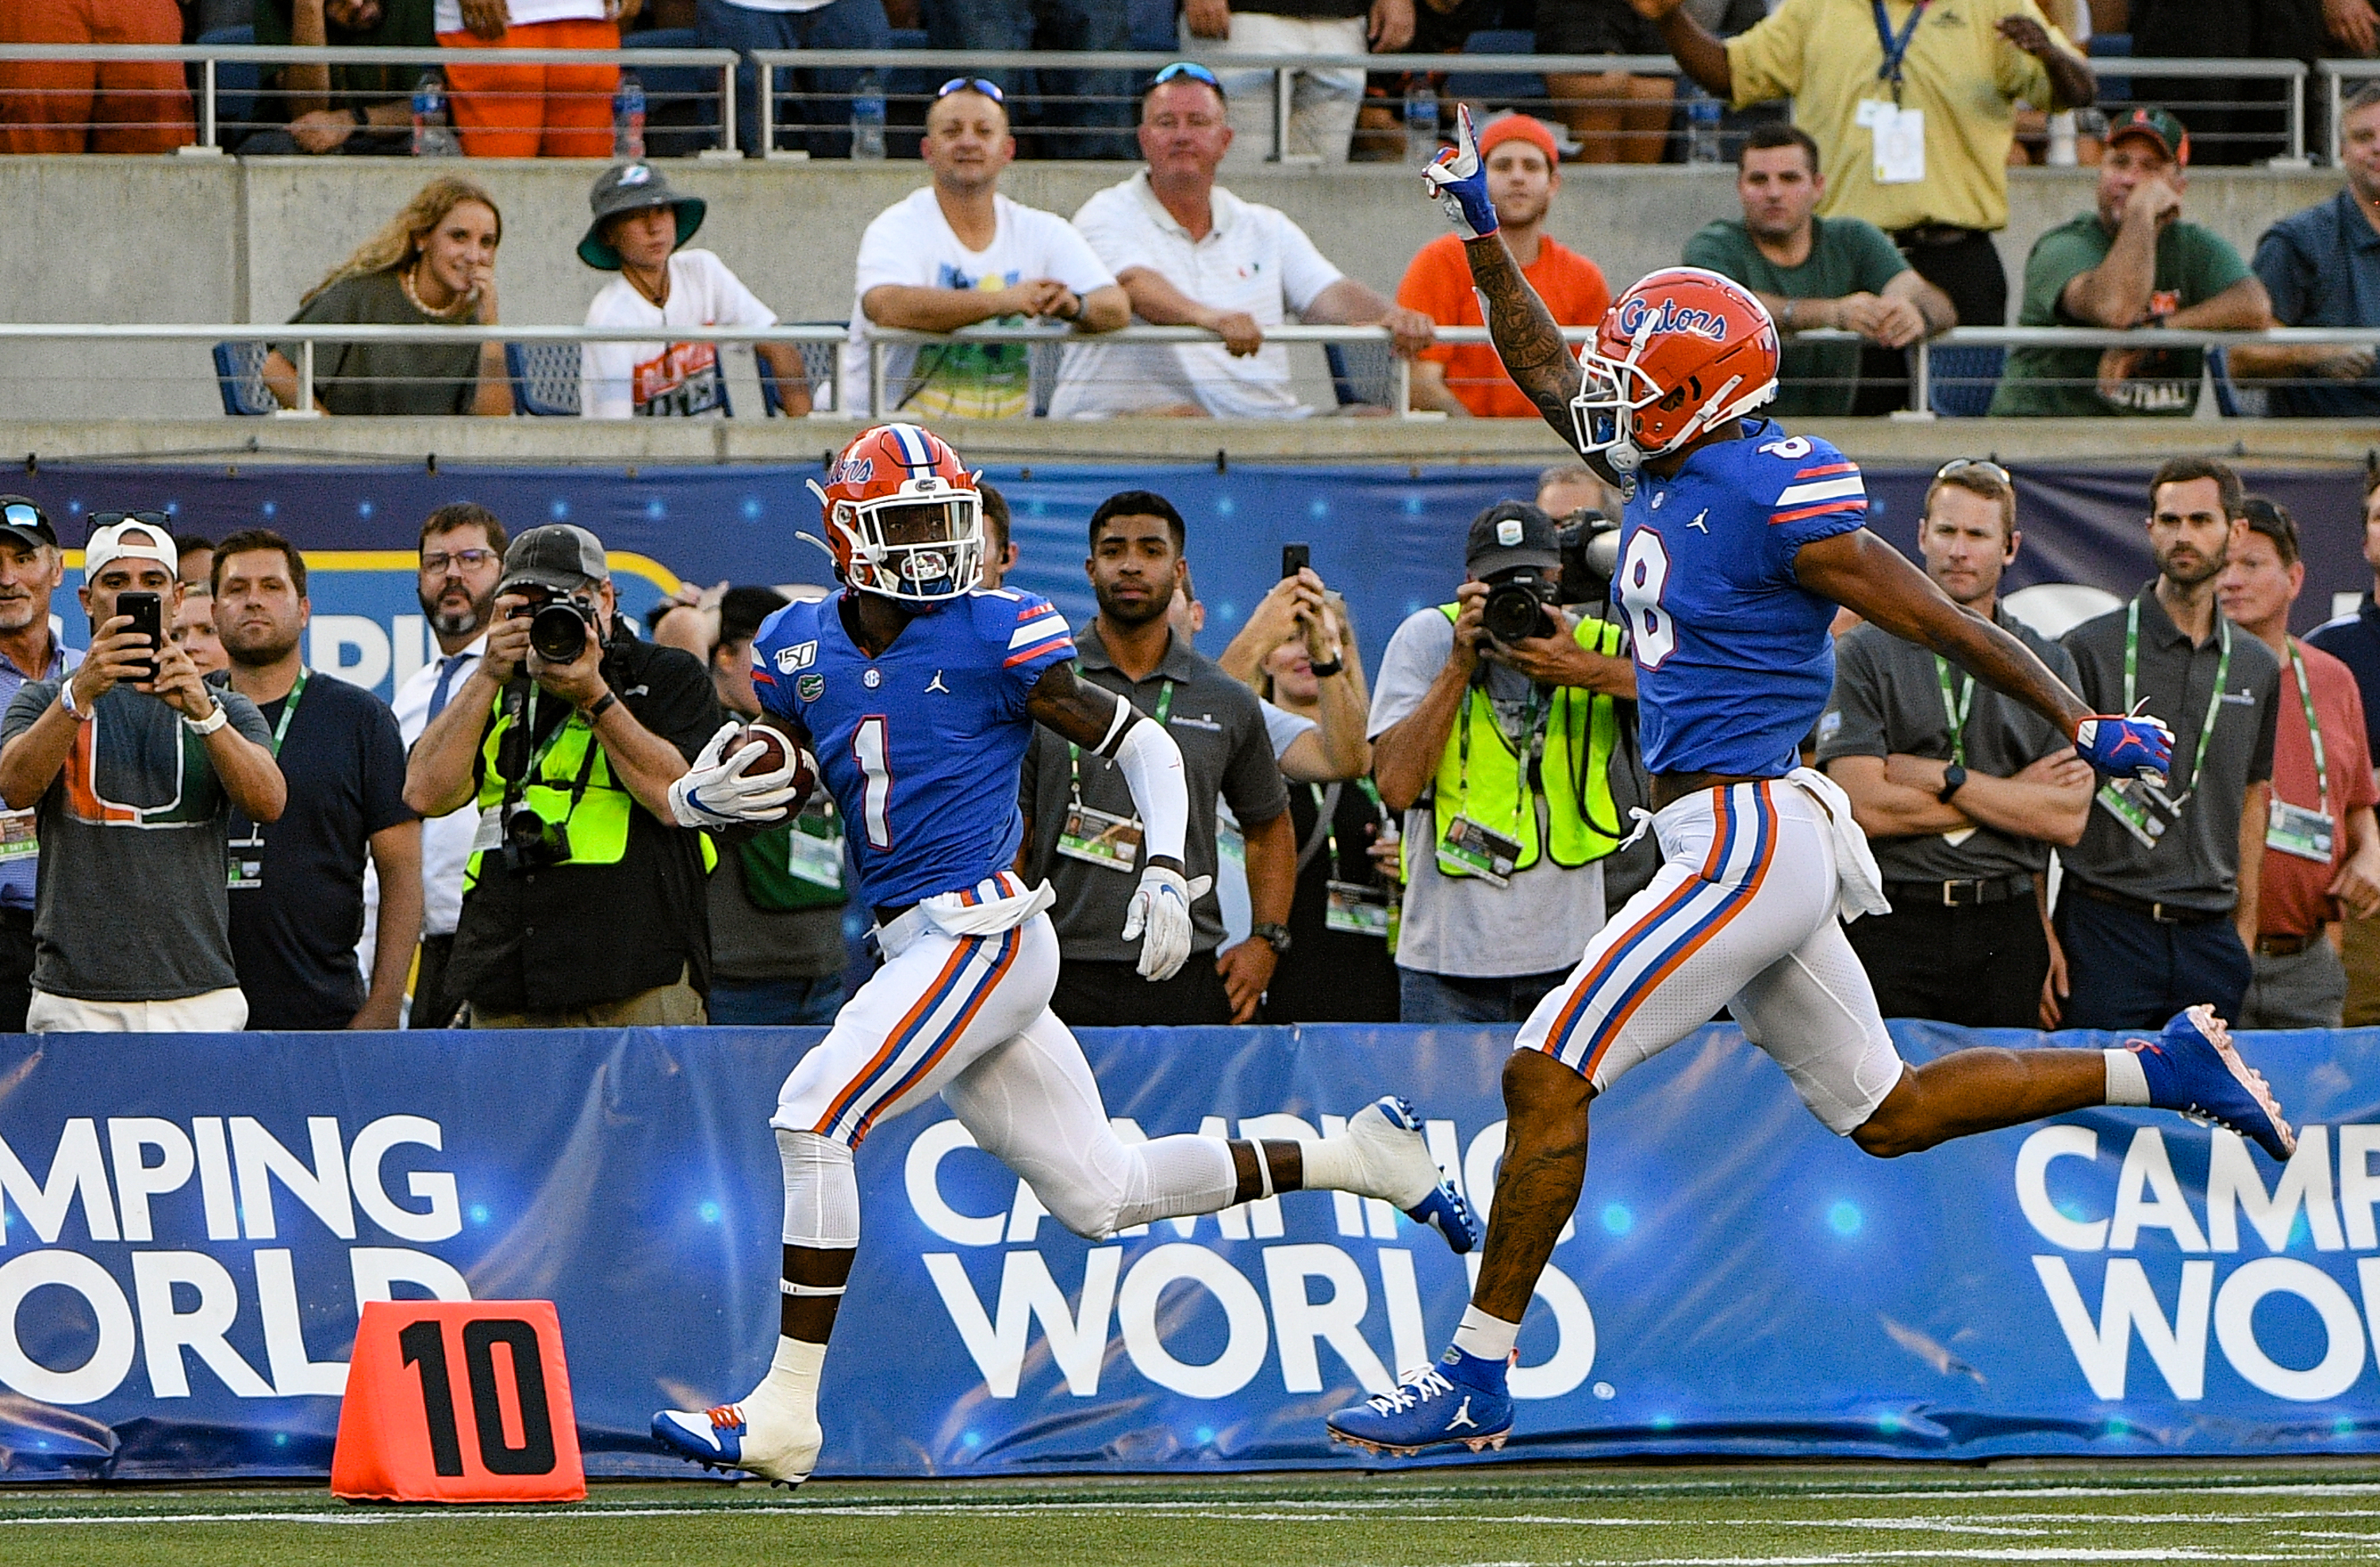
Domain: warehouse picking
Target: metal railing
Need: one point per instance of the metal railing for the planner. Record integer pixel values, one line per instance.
(2336, 73)
(1283, 69)
(1398, 400)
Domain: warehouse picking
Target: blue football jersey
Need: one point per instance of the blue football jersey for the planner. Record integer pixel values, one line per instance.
(1734, 658)
(921, 747)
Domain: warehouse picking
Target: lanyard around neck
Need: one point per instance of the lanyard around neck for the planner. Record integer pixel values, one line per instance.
(2313, 726)
(1955, 711)
(289, 711)
(1524, 749)
(1895, 47)
(2214, 697)
(1326, 807)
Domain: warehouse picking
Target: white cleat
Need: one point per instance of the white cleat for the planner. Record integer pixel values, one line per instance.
(1393, 1158)
(756, 1437)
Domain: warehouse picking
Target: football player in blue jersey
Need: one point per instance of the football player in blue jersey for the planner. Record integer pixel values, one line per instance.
(1737, 542)
(918, 692)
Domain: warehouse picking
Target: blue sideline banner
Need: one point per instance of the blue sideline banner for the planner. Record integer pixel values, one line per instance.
(1390, 537)
(191, 1223)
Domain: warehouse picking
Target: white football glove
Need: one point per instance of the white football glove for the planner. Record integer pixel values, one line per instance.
(717, 792)
(1161, 907)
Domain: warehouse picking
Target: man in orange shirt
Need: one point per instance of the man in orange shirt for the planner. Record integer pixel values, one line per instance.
(1468, 379)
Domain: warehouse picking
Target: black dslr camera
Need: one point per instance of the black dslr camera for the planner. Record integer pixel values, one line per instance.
(559, 626)
(1589, 542)
(1518, 605)
(530, 842)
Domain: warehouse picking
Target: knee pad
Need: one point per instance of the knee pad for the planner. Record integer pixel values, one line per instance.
(822, 1192)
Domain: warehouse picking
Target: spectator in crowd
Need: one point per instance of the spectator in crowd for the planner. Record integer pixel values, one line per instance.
(998, 548)
(1318, 742)
(1619, 118)
(130, 816)
(461, 557)
(1171, 229)
(1079, 829)
(1441, 27)
(2158, 906)
(91, 105)
(194, 629)
(639, 231)
(533, 111)
(1082, 114)
(2134, 262)
(298, 882)
(194, 559)
(1962, 791)
(2354, 640)
(590, 911)
(2322, 848)
(1811, 273)
(1322, 102)
(1915, 127)
(1503, 873)
(337, 107)
(957, 253)
(2321, 267)
(808, 101)
(1523, 172)
(31, 569)
(433, 265)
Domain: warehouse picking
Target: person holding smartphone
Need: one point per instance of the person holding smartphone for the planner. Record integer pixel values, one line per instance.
(95, 971)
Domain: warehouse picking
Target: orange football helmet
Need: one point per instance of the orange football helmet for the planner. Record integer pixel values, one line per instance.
(1683, 350)
(903, 518)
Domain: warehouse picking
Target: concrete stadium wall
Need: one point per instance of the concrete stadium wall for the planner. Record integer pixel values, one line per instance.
(151, 239)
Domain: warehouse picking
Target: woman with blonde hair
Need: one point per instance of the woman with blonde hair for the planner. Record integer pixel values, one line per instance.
(433, 265)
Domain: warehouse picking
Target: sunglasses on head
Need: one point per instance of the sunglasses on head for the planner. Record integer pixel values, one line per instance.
(21, 514)
(146, 518)
(1190, 68)
(1988, 468)
(972, 84)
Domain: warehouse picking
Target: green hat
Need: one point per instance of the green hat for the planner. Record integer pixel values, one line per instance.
(2157, 125)
(627, 188)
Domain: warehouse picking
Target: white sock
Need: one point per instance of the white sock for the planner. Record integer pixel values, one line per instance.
(2127, 1084)
(793, 1378)
(1486, 1337)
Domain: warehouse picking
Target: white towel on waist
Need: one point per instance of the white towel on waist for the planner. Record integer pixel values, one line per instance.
(1859, 884)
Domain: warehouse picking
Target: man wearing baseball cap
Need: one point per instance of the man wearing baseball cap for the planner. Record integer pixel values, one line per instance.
(2134, 262)
(31, 569)
(583, 901)
(1503, 873)
(131, 923)
(639, 230)
(1524, 171)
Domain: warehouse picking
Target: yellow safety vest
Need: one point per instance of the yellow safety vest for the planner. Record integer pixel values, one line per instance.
(597, 819)
(1486, 785)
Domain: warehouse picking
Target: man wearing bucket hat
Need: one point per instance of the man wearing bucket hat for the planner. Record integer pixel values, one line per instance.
(132, 920)
(2133, 262)
(639, 230)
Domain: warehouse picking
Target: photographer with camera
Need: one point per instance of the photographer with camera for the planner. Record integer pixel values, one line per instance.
(583, 902)
(1494, 722)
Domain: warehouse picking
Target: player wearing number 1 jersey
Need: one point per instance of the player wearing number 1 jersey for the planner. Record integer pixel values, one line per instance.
(919, 691)
(1737, 543)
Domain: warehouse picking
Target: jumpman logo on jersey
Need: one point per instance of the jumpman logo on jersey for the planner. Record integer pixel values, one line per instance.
(1462, 1415)
(1697, 523)
(936, 685)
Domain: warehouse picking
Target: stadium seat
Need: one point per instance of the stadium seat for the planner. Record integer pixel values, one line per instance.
(545, 379)
(1960, 382)
(817, 368)
(2112, 47)
(2232, 400)
(237, 85)
(1497, 88)
(1362, 373)
(240, 372)
(681, 102)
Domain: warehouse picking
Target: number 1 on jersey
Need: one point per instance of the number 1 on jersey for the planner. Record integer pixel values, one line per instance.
(872, 751)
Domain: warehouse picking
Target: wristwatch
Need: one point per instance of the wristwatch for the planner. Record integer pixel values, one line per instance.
(1954, 778)
(1325, 671)
(1271, 935)
(209, 724)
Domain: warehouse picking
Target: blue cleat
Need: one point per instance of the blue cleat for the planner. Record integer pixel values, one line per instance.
(721, 1438)
(2193, 1068)
(1460, 1399)
(1387, 1133)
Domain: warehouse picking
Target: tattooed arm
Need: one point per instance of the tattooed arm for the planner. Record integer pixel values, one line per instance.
(1527, 339)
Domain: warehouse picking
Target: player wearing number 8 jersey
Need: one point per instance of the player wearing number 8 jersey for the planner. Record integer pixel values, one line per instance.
(919, 691)
(1737, 543)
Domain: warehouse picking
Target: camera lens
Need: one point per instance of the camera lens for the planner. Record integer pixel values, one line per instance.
(558, 633)
(1513, 612)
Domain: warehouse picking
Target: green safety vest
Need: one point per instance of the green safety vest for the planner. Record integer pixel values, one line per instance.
(1490, 789)
(598, 822)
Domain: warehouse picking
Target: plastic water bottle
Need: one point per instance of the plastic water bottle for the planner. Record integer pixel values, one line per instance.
(868, 118)
(434, 134)
(1701, 125)
(1421, 123)
(628, 118)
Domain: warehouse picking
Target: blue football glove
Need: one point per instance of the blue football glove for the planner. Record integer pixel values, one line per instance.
(1458, 181)
(2126, 748)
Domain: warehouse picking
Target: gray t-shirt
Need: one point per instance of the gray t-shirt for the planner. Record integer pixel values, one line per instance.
(1888, 698)
(132, 904)
(1461, 925)
(2196, 863)
(1226, 752)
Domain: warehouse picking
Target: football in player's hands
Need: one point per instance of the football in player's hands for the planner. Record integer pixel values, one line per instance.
(775, 752)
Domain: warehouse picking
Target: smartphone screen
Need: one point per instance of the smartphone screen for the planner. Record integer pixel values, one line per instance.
(148, 612)
(1295, 558)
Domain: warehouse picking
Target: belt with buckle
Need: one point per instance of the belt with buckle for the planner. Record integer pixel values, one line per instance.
(2284, 946)
(1933, 235)
(2164, 913)
(1960, 894)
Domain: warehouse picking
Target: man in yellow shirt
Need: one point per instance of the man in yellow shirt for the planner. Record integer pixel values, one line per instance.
(1913, 105)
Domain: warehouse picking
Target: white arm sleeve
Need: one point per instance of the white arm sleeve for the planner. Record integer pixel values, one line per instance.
(1151, 764)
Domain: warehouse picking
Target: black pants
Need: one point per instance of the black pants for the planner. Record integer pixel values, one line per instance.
(2128, 971)
(433, 1004)
(16, 968)
(1113, 995)
(1978, 967)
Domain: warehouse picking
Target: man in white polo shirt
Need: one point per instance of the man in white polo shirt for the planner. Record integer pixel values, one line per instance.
(958, 253)
(1189, 253)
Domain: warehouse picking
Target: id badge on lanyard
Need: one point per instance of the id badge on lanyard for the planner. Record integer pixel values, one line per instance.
(244, 857)
(1897, 135)
(2293, 829)
(814, 849)
(17, 839)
